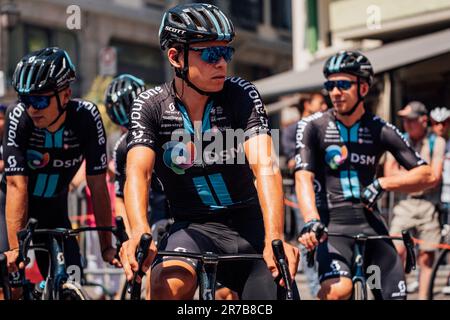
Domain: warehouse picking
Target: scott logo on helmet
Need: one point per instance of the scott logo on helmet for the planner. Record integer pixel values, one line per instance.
(175, 30)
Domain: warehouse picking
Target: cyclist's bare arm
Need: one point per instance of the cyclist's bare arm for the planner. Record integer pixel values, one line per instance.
(261, 157)
(140, 163)
(121, 212)
(304, 189)
(416, 179)
(102, 206)
(16, 214)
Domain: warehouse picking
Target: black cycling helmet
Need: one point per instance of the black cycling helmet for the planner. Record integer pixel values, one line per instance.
(195, 22)
(119, 97)
(46, 70)
(354, 63)
(351, 62)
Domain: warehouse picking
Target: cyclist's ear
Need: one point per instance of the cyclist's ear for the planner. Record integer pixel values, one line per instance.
(174, 57)
(66, 95)
(364, 89)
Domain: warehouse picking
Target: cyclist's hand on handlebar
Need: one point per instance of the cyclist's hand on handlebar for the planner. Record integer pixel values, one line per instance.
(128, 256)
(310, 232)
(11, 257)
(292, 256)
(109, 255)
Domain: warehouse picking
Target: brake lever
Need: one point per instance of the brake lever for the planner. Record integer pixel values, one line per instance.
(410, 255)
(283, 266)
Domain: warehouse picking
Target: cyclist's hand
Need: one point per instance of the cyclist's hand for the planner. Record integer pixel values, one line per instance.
(292, 256)
(128, 257)
(310, 231)
(11, 257)
(371, 194)
(109, 255)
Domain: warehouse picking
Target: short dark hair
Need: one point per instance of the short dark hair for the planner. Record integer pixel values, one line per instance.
(305, 97)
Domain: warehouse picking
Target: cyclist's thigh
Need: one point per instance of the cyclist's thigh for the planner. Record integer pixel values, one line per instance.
(334, 257)
(384, 271)
(184, 239)
(4, 245)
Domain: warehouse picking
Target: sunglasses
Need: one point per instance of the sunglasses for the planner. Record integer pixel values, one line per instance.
(340, 84)
(214, 54)
(38, 102)
(435, 123)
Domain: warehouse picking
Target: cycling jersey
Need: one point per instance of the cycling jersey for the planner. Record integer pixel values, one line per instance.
(51, 159)
(198, 178)
(343, 159)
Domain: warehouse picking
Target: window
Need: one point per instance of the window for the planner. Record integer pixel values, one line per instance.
(247, 14)
(140, 60)
(281, 14)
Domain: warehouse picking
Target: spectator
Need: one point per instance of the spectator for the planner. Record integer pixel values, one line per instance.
(440, 122)
(417, 211)
(308, 104)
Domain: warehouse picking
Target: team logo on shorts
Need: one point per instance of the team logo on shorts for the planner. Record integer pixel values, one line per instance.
(37, 160)
(335, 156)
(179, 156)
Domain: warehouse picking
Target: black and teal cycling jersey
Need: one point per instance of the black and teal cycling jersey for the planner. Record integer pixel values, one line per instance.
(51, 159)
(202, 166)
(344, 159)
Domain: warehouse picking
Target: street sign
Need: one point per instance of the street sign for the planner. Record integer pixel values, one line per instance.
(108, 61)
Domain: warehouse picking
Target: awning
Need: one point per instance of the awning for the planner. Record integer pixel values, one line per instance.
(387, 57)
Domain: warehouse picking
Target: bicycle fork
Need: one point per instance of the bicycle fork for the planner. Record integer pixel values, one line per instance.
(359, 274)
(207, 276)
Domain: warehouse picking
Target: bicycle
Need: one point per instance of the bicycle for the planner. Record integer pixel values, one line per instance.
(208, 263)
(439, 266)
(359, 279)
(56, 286)
(4, 279)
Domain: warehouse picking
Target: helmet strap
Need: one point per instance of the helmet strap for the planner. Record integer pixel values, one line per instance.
(61, 110)
(360, 98)
(184, 73)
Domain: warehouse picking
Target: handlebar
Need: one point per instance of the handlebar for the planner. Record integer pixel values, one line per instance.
(406, 238)
(141, 254)
(283, 267)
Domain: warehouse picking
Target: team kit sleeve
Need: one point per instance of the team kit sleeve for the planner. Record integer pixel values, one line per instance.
(95, 148)
(143, 125)
(305, 147)
(252, 116)
(400, 148)
(15, 141)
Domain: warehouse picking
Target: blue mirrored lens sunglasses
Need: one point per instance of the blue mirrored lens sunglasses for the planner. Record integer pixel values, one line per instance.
(340, 84)
(37, 102)
(214, 54)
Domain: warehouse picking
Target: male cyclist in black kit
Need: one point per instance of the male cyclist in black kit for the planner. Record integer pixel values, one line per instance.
(211, 192)
(48, 135)
(337, 155)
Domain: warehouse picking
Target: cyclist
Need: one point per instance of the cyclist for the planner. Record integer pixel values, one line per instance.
(337, 155)
(47, 136)
(211, 191)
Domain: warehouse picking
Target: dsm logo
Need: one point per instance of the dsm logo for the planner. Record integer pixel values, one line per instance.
(179, 156)
(37, 160)
(335, 156)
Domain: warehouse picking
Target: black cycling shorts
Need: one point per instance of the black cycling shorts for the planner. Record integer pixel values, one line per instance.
(381, 260)
(50, 213)
(240, 231)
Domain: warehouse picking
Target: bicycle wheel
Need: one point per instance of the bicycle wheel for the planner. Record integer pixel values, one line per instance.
(359, 291)
(72, 292)
(434, 290)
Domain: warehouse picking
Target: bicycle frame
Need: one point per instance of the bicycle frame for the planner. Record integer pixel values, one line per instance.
(207, 268)
(58, 275)
(359, 249)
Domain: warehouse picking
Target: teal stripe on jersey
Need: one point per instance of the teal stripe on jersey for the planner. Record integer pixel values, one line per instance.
(40, 185)
(203, 191)
(51, 185)
(221, 189)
